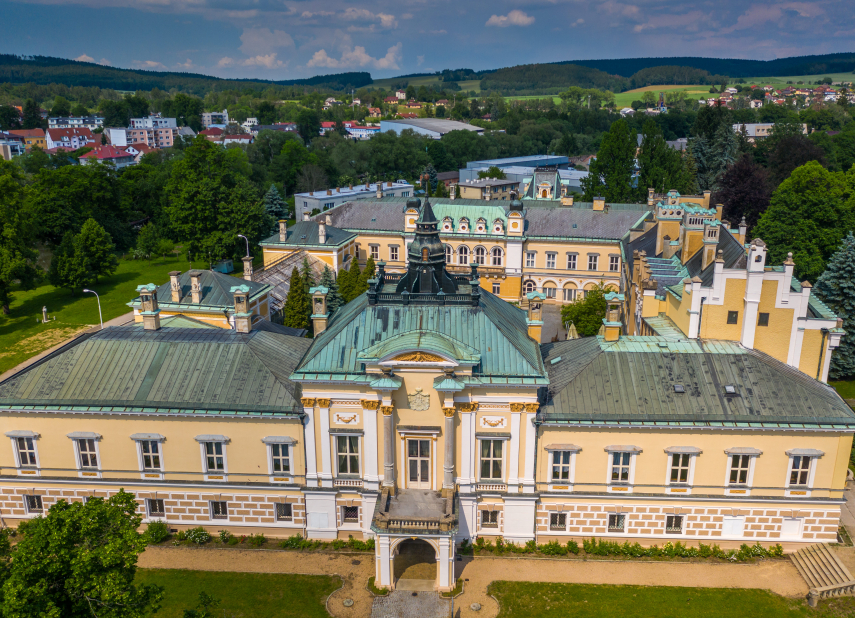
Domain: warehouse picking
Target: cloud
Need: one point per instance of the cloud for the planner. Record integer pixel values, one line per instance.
(104, 62)
(514, 18)
(420, 60)
(357, 57)
(267, 61)
(689, 22)
(578, 22)
(150, 65)
(263, 41)
(225, 61)
(85, 58)
(186, 65)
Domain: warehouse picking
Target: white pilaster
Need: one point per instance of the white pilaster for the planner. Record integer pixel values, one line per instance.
(467, 438)
(753, 289)
(468, 521)
(326, 463)
(514, 455)
(371, 478)
(530, 438)
(445, 564)
(309, 441)
(383, 558)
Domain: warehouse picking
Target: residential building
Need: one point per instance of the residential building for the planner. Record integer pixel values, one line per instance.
(159, 135)
(248, 124)
(213, 134)
(375, 112)
(289, 127)
(362, 132)
(324, 199)
(432, 127)
(116, 136)
(759, 130)
(489, 189)
(76, 122)
(401, 95)
(70, 139)
(153, 122)
(241, 139)
(209, 118)
(425, 413)
(118, 157)
(330, 245)
(11, 145)
(470, 172)
(32, 137)
(138, 151)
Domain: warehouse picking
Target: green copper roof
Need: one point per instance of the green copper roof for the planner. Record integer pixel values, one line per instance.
(421, 340)
(448, 383)
(215, 287)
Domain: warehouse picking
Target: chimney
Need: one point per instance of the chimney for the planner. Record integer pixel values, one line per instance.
(329, 191)
(247, 268)
(650, 196)
(350, 187)
(305, 216)
(535, 315)
(322, 233)
(379, 187)
(283, 230)
(196, 286)
(743, 230)
(599, 203)
(567, 201)
(338, 189)
(175, 286)
(149, 310)
(611, 323)
(389, 184)
(707, 198)
(328, 220)
(243, 316)
(320, 315)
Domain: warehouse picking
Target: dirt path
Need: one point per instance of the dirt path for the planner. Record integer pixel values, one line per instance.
(779, 577)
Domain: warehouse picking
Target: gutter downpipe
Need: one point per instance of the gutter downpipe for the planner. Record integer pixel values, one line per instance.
(821, 356)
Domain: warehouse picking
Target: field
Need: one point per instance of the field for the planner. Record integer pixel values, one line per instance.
(624, 99)
(242, 595)
(807, 79)
(425, 80)
(22, 335)
(537, 600)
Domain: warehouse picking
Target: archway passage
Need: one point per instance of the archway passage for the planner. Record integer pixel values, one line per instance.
(416, 559)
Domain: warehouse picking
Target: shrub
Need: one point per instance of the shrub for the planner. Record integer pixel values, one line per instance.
(256, 540)
(553, 548)
(465, 548)
(500, 546)
(530, 547)
(573, 547)
(156, 532)
(355, 545)
(233, 540)
(225, 536)
(199, 535)
(339, 544)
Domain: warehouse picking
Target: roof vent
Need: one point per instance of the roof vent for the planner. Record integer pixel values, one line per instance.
(557, 359)
(679, 388)
(303, 237)
(663, 344)
(730, 389)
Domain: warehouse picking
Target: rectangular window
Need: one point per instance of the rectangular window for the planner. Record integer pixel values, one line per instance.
(375, 252)
(571, 262)
(679, 468)
(405, 194)
(219, 510)
(155, 507)
(26, 452)
(279, 455)
(284, 512)
(800, 470)
(614, 263)
(550, 292)
(674, 524)
(561, 465)
(88, 455)
(558, 521)
(489, 519)
(551, 259)
(620, 467)
(592, 262)
(739, 469)
(497, 288)
(569, 294)
(150, 451)
(617, 522)
(347, 451)
(214, 460)
(491, 460)
(529, 259)
(763, 319)
(350, 514)
(33, 504)
(732, 317)
(393, 253)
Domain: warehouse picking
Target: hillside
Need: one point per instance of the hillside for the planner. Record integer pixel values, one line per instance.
(549, 79)
(47, 70)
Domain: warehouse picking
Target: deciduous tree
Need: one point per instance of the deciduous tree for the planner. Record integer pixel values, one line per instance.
(587, 312)
(611, 172)
(744, 190)
(17, 255)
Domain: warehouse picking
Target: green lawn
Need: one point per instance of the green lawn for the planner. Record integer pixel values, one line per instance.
(537, 600)
(22, 335)
(807, 79)
(846, 388)
(242, 595)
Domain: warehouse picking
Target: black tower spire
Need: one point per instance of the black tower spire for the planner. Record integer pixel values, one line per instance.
(426, 272)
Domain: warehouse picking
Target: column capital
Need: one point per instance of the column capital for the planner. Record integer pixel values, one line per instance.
(531, 408)
(387, 410)
(517, 407)
(367, 404)
(308, 402)
(469, 407)
(324, 403)
(448, 412)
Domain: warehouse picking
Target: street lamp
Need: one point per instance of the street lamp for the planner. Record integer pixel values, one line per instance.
(100, 318)
(247, 243)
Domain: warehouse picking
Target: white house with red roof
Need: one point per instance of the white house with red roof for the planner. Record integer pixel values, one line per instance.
(71, 139)
(119, 157)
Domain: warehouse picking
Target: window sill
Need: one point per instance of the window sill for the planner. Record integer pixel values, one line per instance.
(151, 475)
(28, 472)
(559, 487)
(217, 478)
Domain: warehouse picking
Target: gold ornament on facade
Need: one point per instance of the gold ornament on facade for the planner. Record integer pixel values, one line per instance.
(387, 410)
(516, 407)
(496, 423)
(308, 402)
(345, 419)
(419, 357)
(448, 412)
(324, 403)
(369, 405)
(531, 407)
(469, 407)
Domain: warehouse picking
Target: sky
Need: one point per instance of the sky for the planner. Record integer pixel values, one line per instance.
(288, 39)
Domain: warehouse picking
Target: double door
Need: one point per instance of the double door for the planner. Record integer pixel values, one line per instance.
(418, 463)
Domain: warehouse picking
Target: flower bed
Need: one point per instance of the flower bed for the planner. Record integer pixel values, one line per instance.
(600, 547)
(158, 534)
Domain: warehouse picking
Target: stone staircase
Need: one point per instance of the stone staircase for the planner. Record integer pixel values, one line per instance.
(824, 573)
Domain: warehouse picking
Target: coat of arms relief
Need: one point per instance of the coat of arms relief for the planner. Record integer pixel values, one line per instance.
(419, 401)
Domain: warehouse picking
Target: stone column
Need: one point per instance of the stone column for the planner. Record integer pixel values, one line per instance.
(450, 442)
(326, 474)
(388, 447)
(369, 411)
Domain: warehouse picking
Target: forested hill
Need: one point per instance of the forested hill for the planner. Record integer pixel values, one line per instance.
(733, 67)
(549, 79)
(47, 70)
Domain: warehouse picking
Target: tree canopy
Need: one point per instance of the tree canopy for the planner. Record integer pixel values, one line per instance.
(836, 288)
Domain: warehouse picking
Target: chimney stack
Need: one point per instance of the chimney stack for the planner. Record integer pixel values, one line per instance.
(175, 286)
(329, 220)
(150, 311)
(322, 232)
(247, 268)
(743, 230)
(243, 316)
(196, 286)
(320, 315)
(611, 323)
(599, 203)
(305, 216)
(283, 230)
(379, 189)
(535, 315)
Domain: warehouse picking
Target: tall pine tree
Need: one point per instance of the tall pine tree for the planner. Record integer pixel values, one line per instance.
(298, 305)
(334, 299)
(836, 288)
(274, 205)
(611, 172)
(364, 276)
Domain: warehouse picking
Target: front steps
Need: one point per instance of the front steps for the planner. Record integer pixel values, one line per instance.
(823, 571)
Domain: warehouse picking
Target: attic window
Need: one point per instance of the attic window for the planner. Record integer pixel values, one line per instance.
(679, 388)
(574, 226)
(729, 389)
(303, 237)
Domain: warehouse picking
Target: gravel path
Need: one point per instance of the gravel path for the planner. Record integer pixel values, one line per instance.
(779, 577)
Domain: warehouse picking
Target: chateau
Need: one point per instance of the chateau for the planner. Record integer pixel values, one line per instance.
(427, 410)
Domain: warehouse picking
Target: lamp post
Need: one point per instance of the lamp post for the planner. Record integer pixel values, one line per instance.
(100, 317)
(247, 243)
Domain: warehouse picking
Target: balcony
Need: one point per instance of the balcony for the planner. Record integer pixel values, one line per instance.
(415, 511)
(491, 487)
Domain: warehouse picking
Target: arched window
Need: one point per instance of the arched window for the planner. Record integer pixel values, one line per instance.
(496, 255)
(543, 193)
(549, 289)
(463, 255)
(529, 286)
(425, 254)
(570, 292)
(449, 254)
(480, 255)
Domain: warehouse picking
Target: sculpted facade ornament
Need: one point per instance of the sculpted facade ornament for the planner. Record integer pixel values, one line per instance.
(419, 357)
(516, 407)
(323, 403)
(448, 412)
(387, 410)
(308, 402)
(369, 405)
(419, 401)
(531, 408)
(469, 407)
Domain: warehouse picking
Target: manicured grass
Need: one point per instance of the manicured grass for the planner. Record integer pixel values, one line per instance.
(538, 600)
(22, 335)
(242, 595)
(845, 388)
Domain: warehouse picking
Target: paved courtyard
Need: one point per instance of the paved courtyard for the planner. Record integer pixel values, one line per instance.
(402, 604)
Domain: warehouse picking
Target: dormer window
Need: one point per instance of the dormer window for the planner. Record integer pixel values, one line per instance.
(679, 388)
(464, 225)
(729, 389)
(446, 224)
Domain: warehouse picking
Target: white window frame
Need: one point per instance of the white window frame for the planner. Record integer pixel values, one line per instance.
(27, 507)
(676, 487)
(505, 448)
(211, 510)
(479, 255)
(596, 259)
(393, 253)
(27, 470)
(621, 487)
(81, 471)
(802, 490)
(555, 484)
(525, 286)
(497, 288)
(220, 476)
(283, 519)
(490, 525)
(349, 525)
(154, 437)
(282, 442)
(550, 291)
(565, 292)
(374, 251)
(153, 517)
(497, 256)
(617, 515)
(551, 260)
(614, 263)
(530, 259)
(740, 489)
(359, 445)
(572, 261)
(558, 515)
(682, 523)
(463, 255)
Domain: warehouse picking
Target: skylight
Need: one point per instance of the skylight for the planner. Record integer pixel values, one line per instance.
(679, 388)
(729, 389)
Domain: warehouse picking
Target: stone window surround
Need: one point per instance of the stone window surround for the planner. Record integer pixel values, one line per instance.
(86, 435)
(573, 450)
(633, 451)
(217, 475)
(22, 433)
(287, 441)
(802, 490)
(423, 433)
(505, 437)
(138, 439)
(360, 445)
(736, 488)
(676, 487)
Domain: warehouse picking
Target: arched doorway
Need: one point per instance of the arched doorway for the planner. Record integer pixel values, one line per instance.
(414, 559)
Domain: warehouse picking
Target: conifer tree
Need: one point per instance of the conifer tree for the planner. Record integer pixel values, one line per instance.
(308, 275)
(274, 205)
(611, 172)
(334, 299)
(345, 284)
(298, 305)
(725, 147)
(364, 276)
(836, 288)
